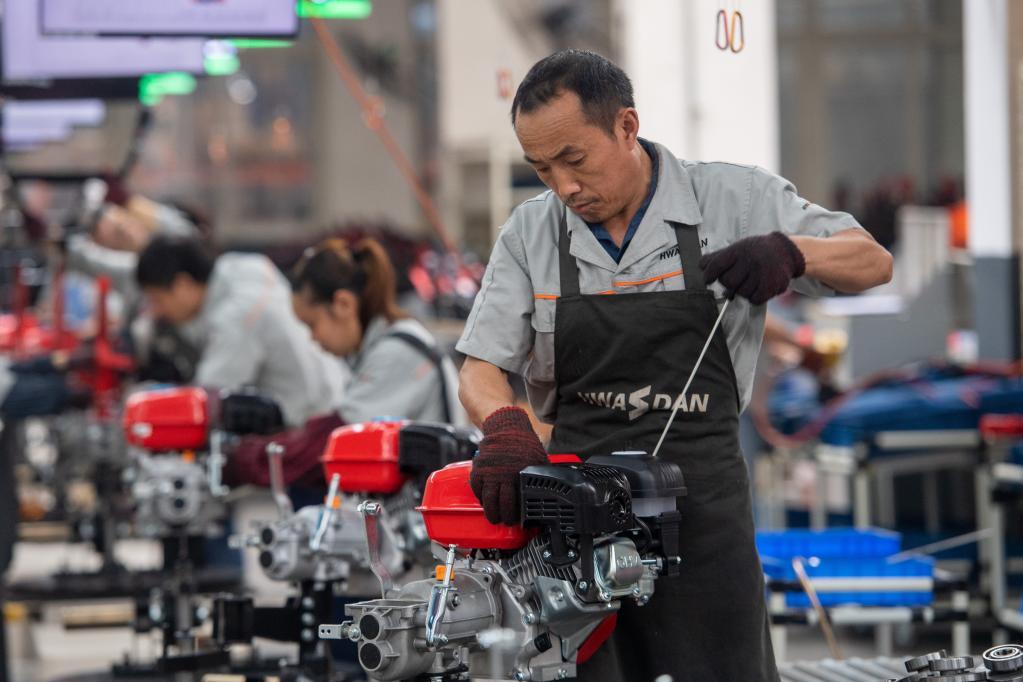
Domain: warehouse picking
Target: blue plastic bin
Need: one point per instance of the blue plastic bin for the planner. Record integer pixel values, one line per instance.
(922, 567)
(832, 542)
(843, 553)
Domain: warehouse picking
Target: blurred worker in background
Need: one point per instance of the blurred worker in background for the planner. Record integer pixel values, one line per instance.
(107, 245)
(236, 310)
(346, 296)
(116, 225)
(112, 232)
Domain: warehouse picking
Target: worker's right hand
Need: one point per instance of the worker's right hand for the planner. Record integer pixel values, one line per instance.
(509, 445)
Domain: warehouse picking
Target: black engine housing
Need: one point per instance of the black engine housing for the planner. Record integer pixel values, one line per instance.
(576, 503)
(246, 412)
(425, 447)
(583, 499)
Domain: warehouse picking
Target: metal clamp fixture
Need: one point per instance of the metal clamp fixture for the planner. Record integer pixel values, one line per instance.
(347, 630)
(371, 512)
(327, 515)
(439, 599)
(274, 454)
(215, 464)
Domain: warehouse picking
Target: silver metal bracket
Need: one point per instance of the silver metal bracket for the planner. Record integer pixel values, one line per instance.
(439, 599)
(327, 515)
(346, 630)
(274, 455)
(215, 464)
(371, 512)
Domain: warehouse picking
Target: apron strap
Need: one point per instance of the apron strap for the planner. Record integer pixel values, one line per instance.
(437, 358)
(569, 271)
(689, 252)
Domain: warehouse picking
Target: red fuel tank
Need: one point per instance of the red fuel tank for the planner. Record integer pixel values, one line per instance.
(366, 457)
(167, 419)
(454, 516)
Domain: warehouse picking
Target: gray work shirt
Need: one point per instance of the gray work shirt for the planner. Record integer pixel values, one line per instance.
(248, 335)
(512, 321)
(392, 378)
(86, 256)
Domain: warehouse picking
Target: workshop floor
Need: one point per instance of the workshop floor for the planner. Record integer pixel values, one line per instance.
(65, 653)
(45, 649)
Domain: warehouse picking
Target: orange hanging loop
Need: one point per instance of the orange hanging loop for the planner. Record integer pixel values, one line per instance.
(738, 30)
(722, 36)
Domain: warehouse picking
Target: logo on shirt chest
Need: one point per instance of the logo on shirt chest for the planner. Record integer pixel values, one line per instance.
(639, 402)
(673, 251)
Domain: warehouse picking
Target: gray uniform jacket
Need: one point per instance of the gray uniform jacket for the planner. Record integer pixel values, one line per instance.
(86, 256)
(248, 335)
(512, 321)
(391, 378)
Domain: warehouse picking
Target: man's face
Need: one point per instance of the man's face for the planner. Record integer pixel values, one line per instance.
(587, 166)
(178, 303)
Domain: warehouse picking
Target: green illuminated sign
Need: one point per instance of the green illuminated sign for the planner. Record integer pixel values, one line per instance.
(258, 43)
(221, 65)
(334, 9)
(153, 87)
(220, 58)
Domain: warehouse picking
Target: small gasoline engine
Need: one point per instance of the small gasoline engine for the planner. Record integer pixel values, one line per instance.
(542, 595)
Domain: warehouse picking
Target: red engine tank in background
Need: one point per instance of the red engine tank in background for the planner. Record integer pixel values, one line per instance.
(167, 419)
(454, 516)
(366, 457)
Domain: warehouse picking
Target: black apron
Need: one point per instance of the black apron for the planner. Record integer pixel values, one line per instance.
(621, 362)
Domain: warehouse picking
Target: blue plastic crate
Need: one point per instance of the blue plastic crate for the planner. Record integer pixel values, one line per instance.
(855, 567)
(832, 542)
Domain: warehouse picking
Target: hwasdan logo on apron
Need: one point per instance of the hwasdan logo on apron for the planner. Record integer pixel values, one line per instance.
(638, 403)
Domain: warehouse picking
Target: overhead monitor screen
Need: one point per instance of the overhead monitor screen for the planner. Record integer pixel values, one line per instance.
(73, 112)
(29, 55)
(27, 124)
(205, 18)
(91, 136)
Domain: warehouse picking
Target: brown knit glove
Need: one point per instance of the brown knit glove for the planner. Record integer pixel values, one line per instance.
(509, 445)
(756, 268)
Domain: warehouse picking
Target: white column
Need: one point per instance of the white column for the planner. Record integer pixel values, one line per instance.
(986, 37)
(653, 44)
(703, 103)
(988, 177)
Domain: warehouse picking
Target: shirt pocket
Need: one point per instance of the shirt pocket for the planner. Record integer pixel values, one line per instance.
(540, 367)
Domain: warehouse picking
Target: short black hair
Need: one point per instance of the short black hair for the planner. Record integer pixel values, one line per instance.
(601, 85)
(165, 257)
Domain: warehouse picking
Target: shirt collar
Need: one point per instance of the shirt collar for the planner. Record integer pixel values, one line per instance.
(678, 203)
(674, 201)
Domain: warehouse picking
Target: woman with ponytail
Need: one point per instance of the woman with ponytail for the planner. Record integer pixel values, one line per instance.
(346, 295)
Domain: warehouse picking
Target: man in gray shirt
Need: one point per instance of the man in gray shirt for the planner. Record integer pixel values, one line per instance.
(603, 293)
(237, 312)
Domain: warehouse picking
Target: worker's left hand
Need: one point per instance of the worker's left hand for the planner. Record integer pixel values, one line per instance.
(756, 268)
